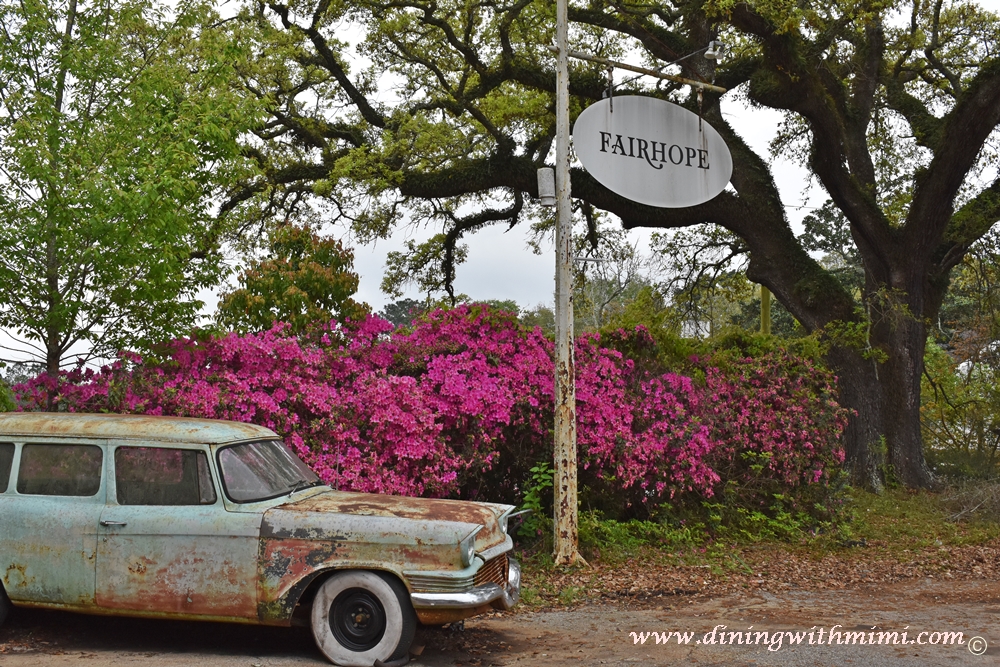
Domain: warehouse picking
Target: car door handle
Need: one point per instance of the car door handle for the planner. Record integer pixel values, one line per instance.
(113, 523)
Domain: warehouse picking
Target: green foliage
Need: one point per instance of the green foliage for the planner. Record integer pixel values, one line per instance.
(671, 352)
(304, 279)
(783, 324)
(620, 540)
(960, 402)
(12, 373)
(970, 315)
(541, 316)
(736, 344)
(538, 499)
(854, 335)
(828, 231)
(7, 403)
(571, 594)
(785, 517)
(118, 135)
(421, 265)
(647, 308)
(960, 413)
(402, 312)
(529, 596)
(906, 521)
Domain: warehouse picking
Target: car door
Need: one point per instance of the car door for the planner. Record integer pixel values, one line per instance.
(168, 545)
(50, 514)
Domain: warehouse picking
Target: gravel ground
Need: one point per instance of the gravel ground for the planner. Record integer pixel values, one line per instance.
(595, 633)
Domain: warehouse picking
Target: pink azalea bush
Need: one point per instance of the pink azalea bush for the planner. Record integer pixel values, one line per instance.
(460, 405)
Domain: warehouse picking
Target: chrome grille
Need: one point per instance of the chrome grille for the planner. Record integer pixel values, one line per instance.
(439, 584)
(494, 571)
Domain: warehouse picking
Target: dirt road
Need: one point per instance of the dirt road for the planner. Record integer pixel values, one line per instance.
(589, 634)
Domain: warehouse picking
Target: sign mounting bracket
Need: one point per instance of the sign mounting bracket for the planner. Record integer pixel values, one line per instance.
(579, 55)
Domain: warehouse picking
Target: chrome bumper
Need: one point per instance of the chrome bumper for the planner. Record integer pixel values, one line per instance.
(487, 594)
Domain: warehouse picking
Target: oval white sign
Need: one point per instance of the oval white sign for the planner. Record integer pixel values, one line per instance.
(652, 152)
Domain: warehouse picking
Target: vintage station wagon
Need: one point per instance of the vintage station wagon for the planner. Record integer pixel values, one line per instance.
(212, 520)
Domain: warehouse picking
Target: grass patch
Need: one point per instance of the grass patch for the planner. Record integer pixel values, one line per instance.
(900, 520)
(878, 539)
(530, 597)
(571, 594)
(974, 501)
(897, 521)
(617, 541)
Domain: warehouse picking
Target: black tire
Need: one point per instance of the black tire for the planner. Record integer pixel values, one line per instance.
(4, 605)
(359, 617)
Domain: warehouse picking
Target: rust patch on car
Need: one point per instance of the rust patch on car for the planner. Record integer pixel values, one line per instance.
(178, 585)
(19, 578)
(282, 610)
(404, 507)
(442, 616)
(129, 427)
(286, 568)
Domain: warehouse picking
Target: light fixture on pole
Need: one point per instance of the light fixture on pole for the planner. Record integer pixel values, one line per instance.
(546, 186)
(716, 50)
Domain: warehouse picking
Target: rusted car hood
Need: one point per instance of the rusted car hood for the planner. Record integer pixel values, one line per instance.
(318, 509)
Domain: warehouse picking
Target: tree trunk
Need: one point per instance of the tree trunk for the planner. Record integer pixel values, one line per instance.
(885, 399)
(858, 383)
(54, 332)
(900, 386)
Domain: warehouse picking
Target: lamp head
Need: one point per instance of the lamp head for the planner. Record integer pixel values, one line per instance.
(716, 50)
(547, 186)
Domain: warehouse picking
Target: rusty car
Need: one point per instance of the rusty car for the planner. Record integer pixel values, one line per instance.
(200, 519)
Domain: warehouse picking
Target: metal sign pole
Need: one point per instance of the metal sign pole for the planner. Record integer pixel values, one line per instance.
(566, 551)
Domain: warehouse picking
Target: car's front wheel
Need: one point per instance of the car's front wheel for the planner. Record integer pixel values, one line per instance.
(4, 605)
(359, 617)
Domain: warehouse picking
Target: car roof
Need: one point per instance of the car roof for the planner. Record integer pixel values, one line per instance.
(128, 427)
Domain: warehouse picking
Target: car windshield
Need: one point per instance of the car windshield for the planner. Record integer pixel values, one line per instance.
(262, 470)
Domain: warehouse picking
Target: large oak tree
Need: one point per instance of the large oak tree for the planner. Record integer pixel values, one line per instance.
(890, 104)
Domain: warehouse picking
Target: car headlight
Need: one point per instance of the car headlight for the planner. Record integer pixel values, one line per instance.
(467, 547)
(505, 519)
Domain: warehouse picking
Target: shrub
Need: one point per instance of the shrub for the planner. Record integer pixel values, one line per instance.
(6, 398)
(460, 404)
(960, 413)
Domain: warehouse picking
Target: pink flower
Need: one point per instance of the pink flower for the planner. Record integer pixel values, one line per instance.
(461, 405)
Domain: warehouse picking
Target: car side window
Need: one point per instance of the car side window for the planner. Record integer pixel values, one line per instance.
(161, 476)
(6, 459)
(60, 470)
